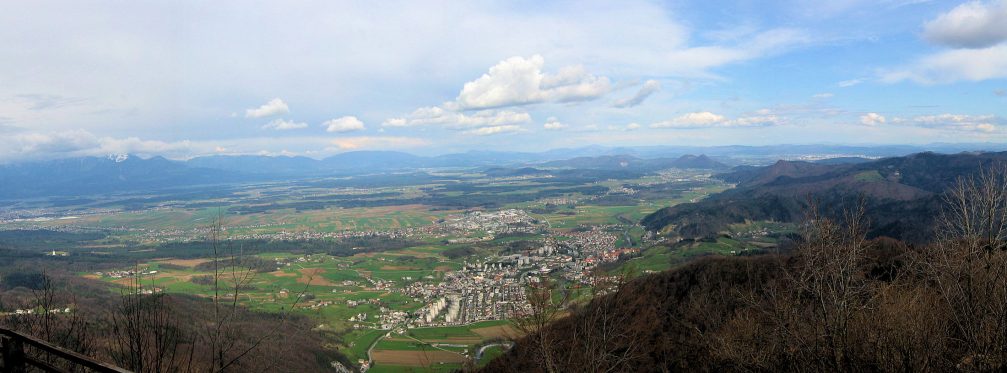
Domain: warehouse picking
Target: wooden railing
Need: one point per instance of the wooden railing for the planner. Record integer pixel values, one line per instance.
(14, 359)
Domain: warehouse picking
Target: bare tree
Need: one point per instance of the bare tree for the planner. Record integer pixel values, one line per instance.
(827, 289)
(967, 265)
(51, 315)
(811, 317)
(145, 333)
(231, 275)
(601, 337)
(546, 302)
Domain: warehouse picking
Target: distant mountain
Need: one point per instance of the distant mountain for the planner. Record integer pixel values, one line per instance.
(761, 175)
(902, 194)
(374, 161)
(130, 173)
(844, 160)
(354, 162)
(602, 162)
(92, 175)
(258, 164)
(487, 158)
(628, 162)
(701, 162)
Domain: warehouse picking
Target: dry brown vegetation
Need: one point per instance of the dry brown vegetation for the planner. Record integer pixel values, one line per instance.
(415, 358)
(499, 331)
(313, 276)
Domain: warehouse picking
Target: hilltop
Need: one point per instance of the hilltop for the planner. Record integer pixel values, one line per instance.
(902, 194)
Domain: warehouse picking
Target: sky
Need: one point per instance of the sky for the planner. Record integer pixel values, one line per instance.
(187, 78)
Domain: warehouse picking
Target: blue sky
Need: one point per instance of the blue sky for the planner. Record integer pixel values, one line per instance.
(183, 79)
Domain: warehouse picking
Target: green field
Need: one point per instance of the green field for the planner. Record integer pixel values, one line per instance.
(334, 289)
(661, 257)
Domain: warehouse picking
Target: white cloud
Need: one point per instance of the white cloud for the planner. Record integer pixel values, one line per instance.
(284, 124)
(344, 124)
(954, 65)
(626, 128)
(520, 81)
(691, 120)
(553, 124)
(436, 115)
(135, 145)
(47, 101)
(765, 119)
(22, 145)
(649, 87)
(978, 31)
(706, 119)
(376, 142)
(849, 83)
(872, 119)
(80, 143)
(822, 96)
(957, 122)
(975, 24)
(410, 47)
(494, 130)
(695, 60)
(62, 143)
(275, 106)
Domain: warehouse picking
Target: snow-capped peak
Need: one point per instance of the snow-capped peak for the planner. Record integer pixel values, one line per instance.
(118, 157)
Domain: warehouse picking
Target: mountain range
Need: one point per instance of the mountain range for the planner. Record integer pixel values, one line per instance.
(130, 173)
(902, 194)
(118, 173)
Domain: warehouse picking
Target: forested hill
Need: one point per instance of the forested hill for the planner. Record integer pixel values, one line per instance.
(902, 194)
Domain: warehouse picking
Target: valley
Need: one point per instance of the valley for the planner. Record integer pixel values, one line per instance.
(424, 275)
(417, 276)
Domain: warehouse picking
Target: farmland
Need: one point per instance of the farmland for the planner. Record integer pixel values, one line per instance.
(399, 277)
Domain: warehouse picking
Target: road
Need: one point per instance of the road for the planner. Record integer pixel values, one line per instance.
(479, 354)
(370, 360)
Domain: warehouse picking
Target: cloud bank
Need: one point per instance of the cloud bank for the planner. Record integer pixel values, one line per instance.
(275, 106)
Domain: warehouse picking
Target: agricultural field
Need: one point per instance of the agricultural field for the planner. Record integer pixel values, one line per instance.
(323, 288)
(365, 264)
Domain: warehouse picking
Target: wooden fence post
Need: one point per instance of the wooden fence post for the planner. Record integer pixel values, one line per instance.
(12, 355)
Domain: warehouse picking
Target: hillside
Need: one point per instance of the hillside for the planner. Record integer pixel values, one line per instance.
(651, 324)
(808, 311)
(902, 194)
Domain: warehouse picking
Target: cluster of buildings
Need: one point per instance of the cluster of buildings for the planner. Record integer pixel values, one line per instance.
(126, 273)
(591, 242)
(494, 288)
(613, 255)
(447, 307)
(36, 311)
(493, 222)
(46, 214)
(390, 319)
